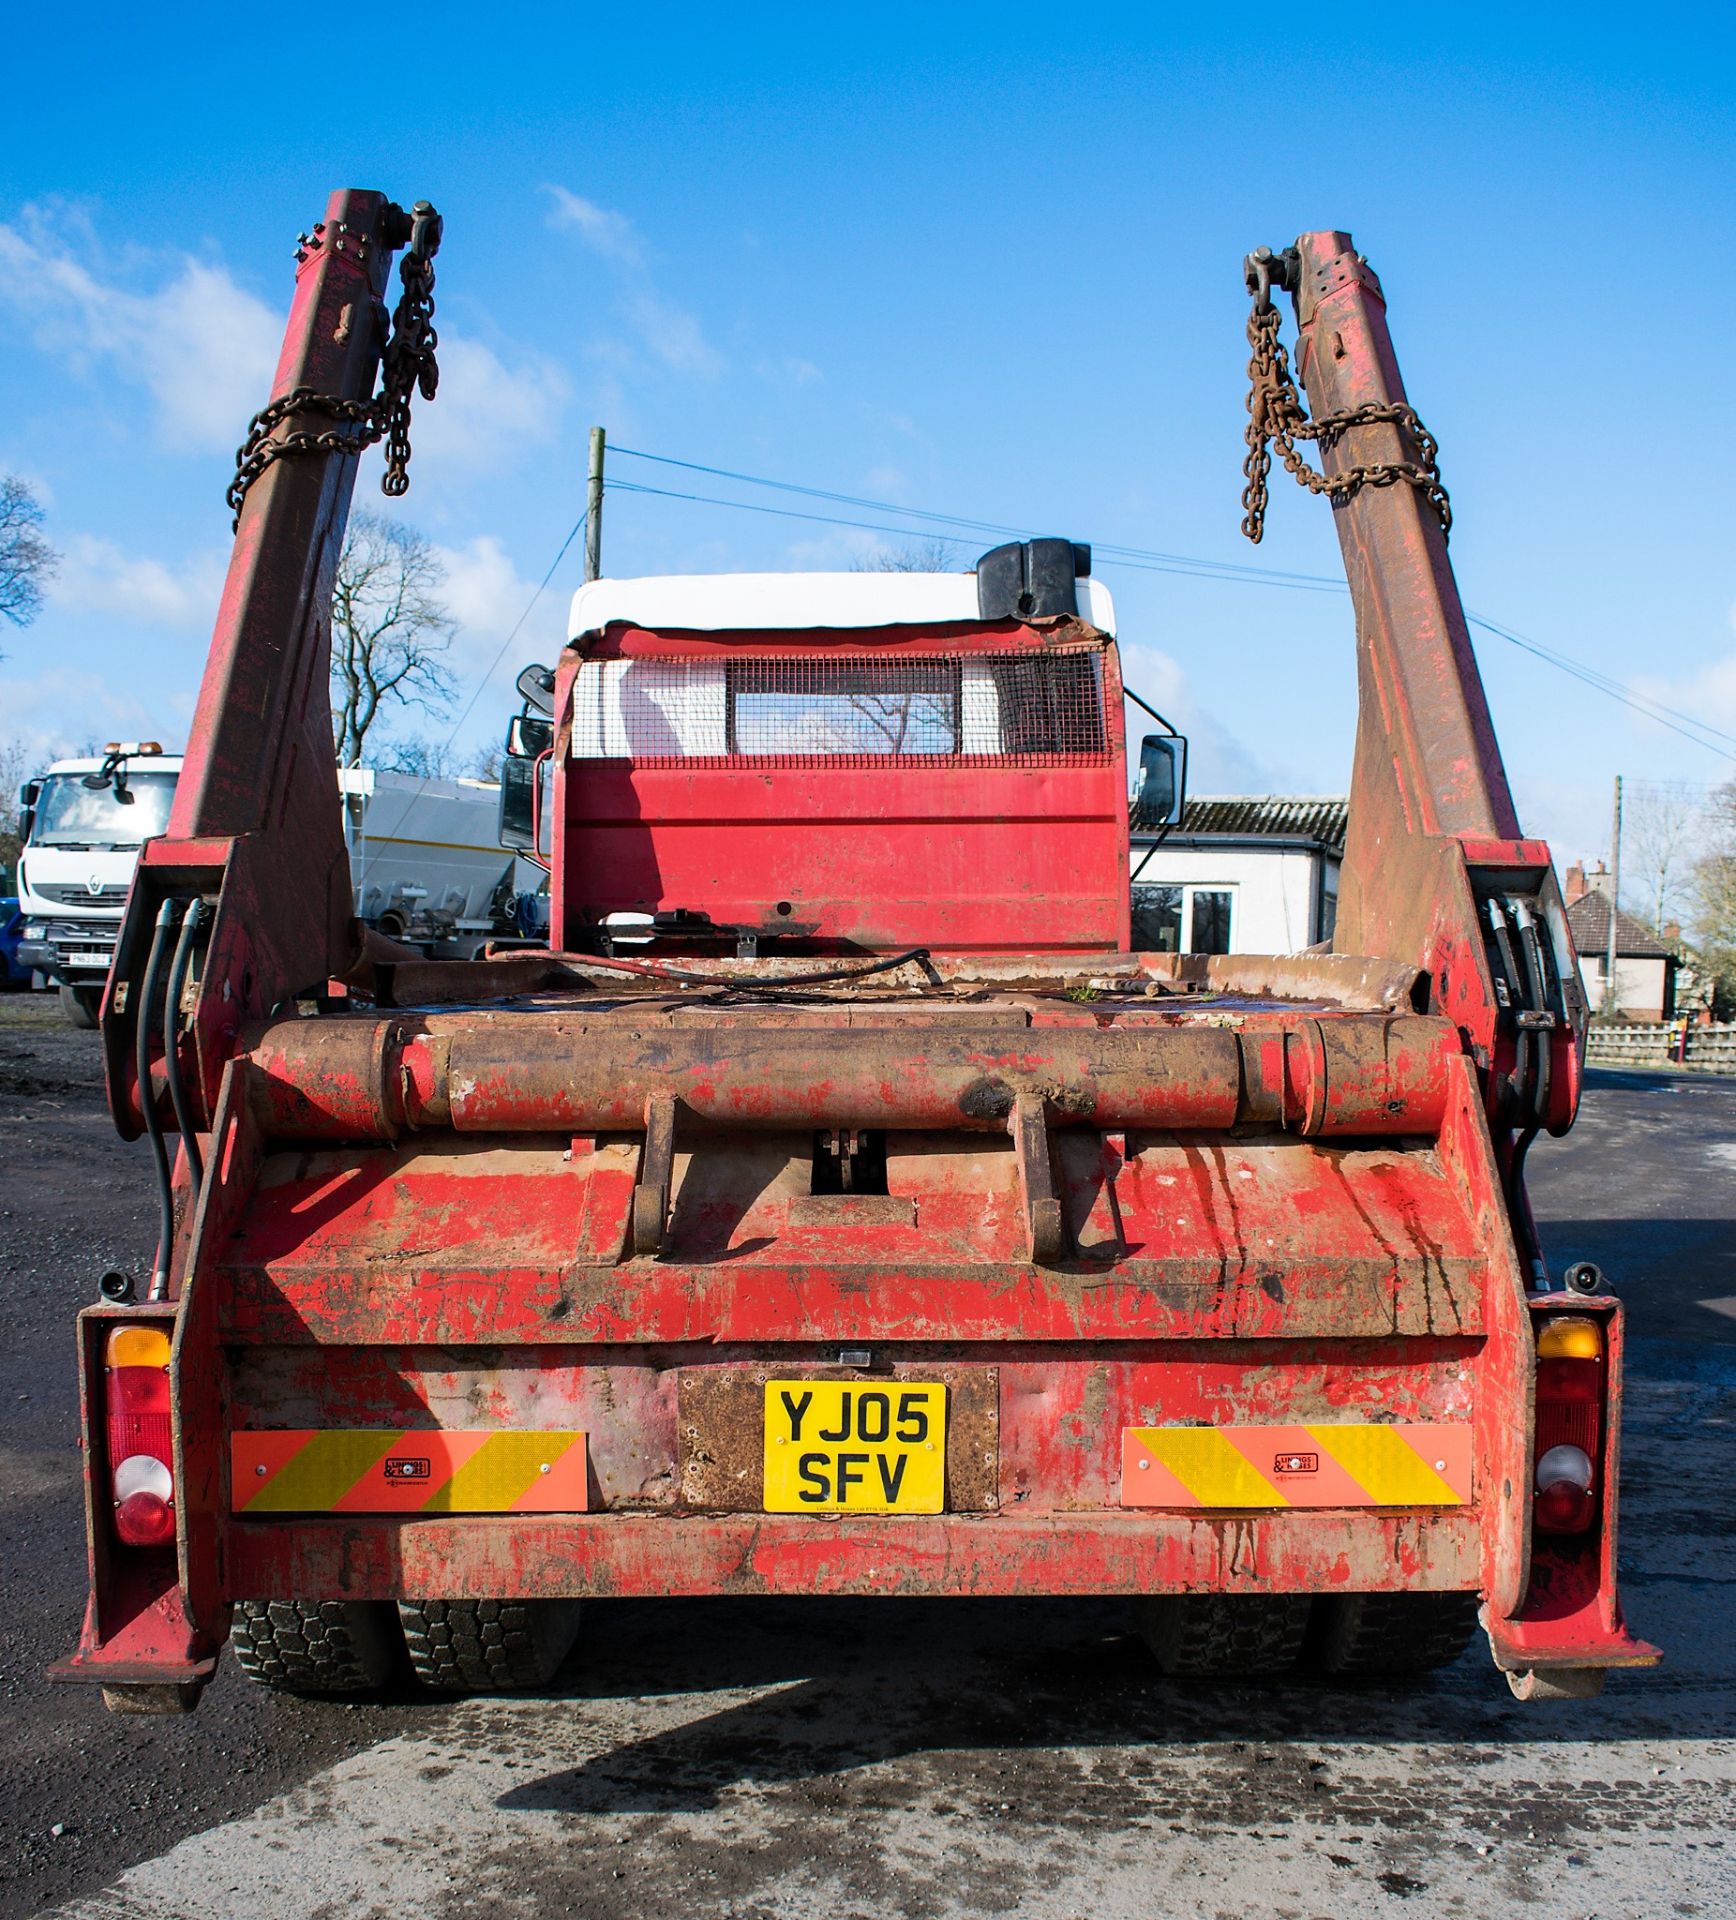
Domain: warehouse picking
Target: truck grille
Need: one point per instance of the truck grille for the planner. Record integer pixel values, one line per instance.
(74, 893)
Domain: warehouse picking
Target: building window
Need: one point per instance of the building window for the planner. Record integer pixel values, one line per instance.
(1160, 915)
(1157, 919)
(1209, 923)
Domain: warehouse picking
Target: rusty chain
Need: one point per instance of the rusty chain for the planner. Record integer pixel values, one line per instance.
(407, 366)
(1276, 419)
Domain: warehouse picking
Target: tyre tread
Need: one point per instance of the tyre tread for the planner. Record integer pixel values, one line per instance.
(487, 1646)
(314, 1646)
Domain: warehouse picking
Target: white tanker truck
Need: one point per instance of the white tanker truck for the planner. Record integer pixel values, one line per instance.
(425, 857)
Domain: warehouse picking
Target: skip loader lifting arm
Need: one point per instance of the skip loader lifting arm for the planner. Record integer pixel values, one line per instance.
(880, 1222)
(1436, 870)
(249, 890)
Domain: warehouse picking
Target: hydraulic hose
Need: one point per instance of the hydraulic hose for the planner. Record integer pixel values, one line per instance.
(172, 1052)
(147, 1003)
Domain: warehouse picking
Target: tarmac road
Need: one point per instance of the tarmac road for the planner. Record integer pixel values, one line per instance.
(894, 1758)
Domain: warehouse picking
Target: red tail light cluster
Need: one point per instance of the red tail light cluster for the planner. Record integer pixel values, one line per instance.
(140, 1450)
(1570, 1394)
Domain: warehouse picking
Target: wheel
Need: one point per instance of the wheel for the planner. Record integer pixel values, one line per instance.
(1392, 1632)
(487, 1646)
(1224, 1635)
(315, 1646)
(79, 1006)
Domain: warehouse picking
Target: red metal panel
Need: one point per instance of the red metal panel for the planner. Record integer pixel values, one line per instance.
(1248, 1238)
(977, 858)
(367, 1558)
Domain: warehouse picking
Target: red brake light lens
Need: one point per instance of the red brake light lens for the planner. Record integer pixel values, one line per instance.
(1570, 1396)
(145, 1520)
(140, 1435)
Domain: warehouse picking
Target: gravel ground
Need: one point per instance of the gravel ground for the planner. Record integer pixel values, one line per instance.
(880, 1758)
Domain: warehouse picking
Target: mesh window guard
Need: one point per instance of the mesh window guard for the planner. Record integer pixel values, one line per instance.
(1025, 708)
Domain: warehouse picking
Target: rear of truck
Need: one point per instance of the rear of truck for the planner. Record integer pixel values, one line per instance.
(839, 1207)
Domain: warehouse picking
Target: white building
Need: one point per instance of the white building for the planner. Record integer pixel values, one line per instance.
(1241, 874)
(1645, 966)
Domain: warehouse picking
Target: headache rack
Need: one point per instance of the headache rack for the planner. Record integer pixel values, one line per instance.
(1028, 709)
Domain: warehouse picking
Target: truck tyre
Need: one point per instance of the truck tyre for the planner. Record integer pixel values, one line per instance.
(1224, 1636)
(79, 1006)
(1396, 1633)
(487, 1646)
(315, 1646)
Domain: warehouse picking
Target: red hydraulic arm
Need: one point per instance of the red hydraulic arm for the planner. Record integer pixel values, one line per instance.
(1437, 874)
(1436, 871)
(255, 851)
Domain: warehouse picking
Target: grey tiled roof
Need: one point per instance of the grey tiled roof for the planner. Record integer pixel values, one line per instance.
(1263, 816)
(1634, 940)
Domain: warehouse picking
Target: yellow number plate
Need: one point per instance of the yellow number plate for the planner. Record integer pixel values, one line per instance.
(851, 1446)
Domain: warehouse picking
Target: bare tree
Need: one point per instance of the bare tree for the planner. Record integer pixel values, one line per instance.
(26, 559)
(415, 753)
(920, 556)
(1714, 897)
(390, 629)
(1663, 829)
(17, 764)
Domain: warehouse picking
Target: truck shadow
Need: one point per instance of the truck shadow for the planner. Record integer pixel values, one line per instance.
(965, 1687)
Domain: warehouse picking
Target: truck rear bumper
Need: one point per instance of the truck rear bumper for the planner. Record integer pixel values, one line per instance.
(610, 1554)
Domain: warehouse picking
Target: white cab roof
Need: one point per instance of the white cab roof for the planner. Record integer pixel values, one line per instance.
(752, 602)
(135, 763)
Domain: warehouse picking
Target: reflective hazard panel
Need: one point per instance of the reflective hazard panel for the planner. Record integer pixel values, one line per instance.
(366, 1470)
(1365, 1464)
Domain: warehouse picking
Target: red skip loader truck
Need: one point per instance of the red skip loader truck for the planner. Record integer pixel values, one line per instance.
(837, 1205)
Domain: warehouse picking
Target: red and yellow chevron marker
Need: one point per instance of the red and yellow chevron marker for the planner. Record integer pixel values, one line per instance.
(1371, 1464)
(366, 1470)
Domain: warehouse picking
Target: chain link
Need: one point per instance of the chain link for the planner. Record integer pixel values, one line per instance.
(407, 366)
(1276, 419)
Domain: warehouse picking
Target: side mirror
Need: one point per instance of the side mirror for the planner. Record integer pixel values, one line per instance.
(536, 686)
(28, 795)
(518, 778)
(1162, 791)
(528, 735)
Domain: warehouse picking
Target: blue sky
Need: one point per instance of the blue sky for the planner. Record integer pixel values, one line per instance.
(979, 260)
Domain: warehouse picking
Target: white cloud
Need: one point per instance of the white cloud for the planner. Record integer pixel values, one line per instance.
(485, 594)
(610, 234)
(95, 576)
(1709, 695)
(205, 349)
(484, 411)
(667, 332)
(62, 710)
(201, 345)
(791, 371)
(1217, 761)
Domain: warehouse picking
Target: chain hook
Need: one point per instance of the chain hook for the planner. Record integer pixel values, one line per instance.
(1257, 271)
(1277, 417)
(407, 365)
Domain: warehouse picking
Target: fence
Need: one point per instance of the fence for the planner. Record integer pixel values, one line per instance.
(1663, 1045)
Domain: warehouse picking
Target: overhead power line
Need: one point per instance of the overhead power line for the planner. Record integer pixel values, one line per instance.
(929, 523)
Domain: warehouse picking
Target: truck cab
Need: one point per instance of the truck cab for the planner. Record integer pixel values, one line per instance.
(843, 763)
(82, 824)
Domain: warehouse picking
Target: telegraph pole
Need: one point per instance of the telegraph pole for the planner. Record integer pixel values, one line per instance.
(1611, 1004)
(594, 509)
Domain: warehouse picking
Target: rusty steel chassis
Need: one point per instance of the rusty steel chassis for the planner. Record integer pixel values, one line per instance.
(1076, 1067)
